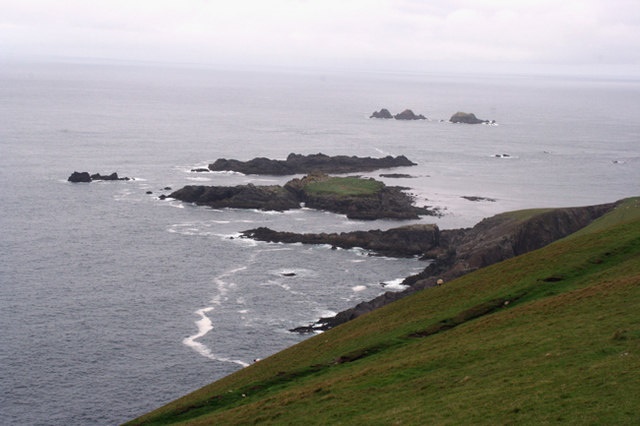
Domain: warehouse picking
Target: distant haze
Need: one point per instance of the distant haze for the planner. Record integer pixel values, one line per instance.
(402, 35)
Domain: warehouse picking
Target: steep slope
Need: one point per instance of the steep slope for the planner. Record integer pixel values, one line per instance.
(549, 336)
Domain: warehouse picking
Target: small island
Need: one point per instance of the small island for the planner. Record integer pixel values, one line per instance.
(468, 118)
(355, 197)
(80, 177)
(314, 163)
(407, 114)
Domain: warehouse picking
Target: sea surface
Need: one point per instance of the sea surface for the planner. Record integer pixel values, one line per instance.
(114, 302)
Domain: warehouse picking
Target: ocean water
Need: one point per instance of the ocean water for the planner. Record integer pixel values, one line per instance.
(114, 302)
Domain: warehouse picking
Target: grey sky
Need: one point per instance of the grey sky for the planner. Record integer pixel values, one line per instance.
(378, 34)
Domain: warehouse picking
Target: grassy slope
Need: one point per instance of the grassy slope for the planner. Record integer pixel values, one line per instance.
(566, 348)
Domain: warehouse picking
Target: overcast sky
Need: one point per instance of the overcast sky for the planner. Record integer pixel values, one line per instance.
(361, 34)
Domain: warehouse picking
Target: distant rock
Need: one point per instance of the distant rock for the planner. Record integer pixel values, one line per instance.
(200, 170)
(383, 113)
(407, 114)
(86, 177)
(395, 175)
(112, 176)
(468, 118)
(77, 177)
(476, 198)
(302, 164)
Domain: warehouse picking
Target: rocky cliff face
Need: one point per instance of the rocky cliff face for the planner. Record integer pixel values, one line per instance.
(493, 240)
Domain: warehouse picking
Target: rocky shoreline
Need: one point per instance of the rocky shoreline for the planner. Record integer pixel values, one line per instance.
(452, 253)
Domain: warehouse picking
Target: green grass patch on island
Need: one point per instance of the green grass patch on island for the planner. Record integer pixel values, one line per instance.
(344, 186)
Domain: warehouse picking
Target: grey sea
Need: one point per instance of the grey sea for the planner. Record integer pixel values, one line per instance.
(114, 302)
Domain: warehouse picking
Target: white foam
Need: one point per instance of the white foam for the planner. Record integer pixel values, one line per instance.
(359, 288)
(394, 285)
(199, 179)
(227, 172)
(205, 325)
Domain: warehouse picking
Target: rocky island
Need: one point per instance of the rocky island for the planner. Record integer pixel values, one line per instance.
(77, 177)
(407, 114)
(468, 118)
(355, 197)
(314, 163)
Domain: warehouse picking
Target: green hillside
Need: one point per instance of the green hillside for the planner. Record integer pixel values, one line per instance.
(552, 336)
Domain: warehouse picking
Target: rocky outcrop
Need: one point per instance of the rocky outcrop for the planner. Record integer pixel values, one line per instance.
(395, 175)
(405, 241)
(242, 196)
(383, 203)
(302, 164)
(407, 114)
(383, 113)
(387, 202)
(467, 118)
(77, 177)
(493, 240)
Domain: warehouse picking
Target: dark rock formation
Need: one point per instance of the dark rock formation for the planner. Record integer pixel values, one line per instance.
(468, 118)
(86, 177)
(77, 177)
(407, 114)
(200, 170)
(112, 176)
(301, 164)
(411, 240)
(242, 196)
(395, 175)
(493, 240)
(383, 113)
(476, 198)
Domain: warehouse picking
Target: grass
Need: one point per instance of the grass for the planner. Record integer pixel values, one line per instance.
(565, 349)
(345, 186)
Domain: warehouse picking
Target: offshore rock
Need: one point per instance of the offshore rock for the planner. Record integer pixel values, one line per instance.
(468, 118)
(302, 164)
(388, 202)
(86, 177)
(383, 113)
(407, 114)
(249, 196)
(384, 203)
